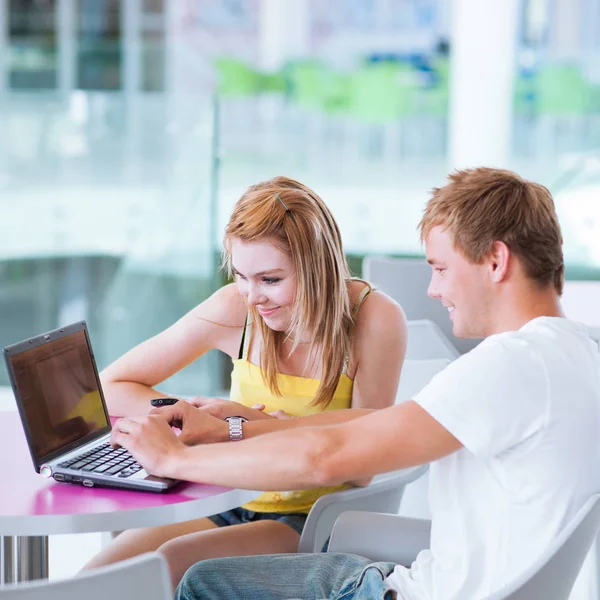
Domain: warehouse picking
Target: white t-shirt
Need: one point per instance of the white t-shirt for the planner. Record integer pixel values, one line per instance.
(526, 407)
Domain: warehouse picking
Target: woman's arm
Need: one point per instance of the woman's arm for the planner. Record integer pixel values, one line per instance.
(380, 339)
(129, 382)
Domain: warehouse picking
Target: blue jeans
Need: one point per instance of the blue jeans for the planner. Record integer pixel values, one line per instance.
(287, 577)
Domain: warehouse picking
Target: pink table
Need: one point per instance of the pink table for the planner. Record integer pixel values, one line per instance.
(31, 507)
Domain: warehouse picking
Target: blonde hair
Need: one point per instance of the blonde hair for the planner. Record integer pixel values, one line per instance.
(482, 206)
(300, 223)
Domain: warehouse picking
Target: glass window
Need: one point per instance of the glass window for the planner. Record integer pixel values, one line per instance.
(32, 45)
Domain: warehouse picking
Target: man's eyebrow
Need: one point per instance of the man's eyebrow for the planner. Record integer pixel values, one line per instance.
(433, 261)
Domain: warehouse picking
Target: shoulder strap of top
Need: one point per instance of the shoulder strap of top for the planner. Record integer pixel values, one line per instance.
(363, 294)
(245, 343)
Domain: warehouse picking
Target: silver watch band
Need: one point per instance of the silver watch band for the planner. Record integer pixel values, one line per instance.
(235, 428)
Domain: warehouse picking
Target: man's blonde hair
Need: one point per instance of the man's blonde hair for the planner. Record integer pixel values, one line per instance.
(482, 206)
(300, 223)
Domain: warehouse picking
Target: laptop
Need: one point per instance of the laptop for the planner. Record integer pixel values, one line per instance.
(64, 416)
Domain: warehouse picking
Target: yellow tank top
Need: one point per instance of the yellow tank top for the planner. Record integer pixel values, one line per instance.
(297, 394)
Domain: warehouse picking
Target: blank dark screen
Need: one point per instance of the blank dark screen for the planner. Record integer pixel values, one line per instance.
(59, 392)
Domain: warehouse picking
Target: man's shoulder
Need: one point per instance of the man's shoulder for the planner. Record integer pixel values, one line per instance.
(543, 347)
(499, 351)
(529, 339)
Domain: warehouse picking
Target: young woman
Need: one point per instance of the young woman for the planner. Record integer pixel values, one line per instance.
(304, 337)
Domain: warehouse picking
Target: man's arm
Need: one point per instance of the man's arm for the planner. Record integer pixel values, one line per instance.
(388, 439)
(332, 417)
(200, 427)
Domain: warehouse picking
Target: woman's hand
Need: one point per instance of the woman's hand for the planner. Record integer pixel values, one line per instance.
(197, 426)
(280, 414)
(221, 409)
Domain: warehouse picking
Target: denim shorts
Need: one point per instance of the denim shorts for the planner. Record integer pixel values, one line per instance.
(288, 577)
(238, 516)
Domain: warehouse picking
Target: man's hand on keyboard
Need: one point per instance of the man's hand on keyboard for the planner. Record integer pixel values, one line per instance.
(151, 441)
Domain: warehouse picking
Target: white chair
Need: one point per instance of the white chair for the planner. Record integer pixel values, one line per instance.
(380, 537)
(580, 301)
(415, 374)
(406, 280)
(398, 539)
(595, 335)
(427, 341)
(145, 576)
(385, 492)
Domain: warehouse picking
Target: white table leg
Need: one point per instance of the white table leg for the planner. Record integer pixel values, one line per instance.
(32, 557)
(7, 562)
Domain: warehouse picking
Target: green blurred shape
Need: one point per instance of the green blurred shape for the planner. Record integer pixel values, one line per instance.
(524, 94)
(595, 98)
(315, 85)
(433, 100)
(383, 92)
(273, 83)
(562, 90)
(236, 78)
(441, 65)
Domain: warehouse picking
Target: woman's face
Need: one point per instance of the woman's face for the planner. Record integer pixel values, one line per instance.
(266, 277)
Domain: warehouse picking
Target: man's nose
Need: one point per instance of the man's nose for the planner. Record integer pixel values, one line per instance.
(432, 291)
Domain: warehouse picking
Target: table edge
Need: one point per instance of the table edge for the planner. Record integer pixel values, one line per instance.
(42, 525)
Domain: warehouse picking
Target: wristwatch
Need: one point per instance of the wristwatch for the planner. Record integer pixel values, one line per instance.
(235, 428)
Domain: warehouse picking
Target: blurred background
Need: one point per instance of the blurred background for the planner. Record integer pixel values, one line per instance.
(128, 128)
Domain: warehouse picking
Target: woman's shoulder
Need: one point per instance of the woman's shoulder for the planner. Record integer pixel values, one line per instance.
(225, 307)
(380, 326)
(376, 308)
(368, 295)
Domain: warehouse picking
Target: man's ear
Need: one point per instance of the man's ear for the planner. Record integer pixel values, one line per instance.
(499, 261)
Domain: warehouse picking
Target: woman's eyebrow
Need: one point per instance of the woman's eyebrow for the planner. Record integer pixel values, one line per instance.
(268, 272)
(261, 273)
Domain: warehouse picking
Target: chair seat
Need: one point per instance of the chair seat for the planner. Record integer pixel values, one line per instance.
(380, 537)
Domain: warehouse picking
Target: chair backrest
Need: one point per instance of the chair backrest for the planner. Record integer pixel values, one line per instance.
(580, 301)
(426, 341)
(595, 335)
(385, 492)
(416, 374)
(145, 576)
(553, 575)
(406, 280)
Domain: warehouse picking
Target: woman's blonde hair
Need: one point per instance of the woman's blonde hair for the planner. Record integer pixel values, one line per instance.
(481, 206)
(299, 222)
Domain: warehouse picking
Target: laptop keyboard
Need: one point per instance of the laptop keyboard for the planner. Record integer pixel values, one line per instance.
(106, 460)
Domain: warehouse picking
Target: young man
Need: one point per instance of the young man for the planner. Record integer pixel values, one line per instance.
(512, 428)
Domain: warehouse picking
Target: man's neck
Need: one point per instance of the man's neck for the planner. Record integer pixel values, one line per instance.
(518, 309)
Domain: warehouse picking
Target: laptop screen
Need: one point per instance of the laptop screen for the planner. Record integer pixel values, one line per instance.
(59, 393)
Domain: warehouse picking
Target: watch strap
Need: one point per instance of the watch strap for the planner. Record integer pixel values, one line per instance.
(236, 433)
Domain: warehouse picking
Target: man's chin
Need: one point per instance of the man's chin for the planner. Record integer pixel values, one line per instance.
(457, 332)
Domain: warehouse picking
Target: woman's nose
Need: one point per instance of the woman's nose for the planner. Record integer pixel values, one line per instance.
(255, 296)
